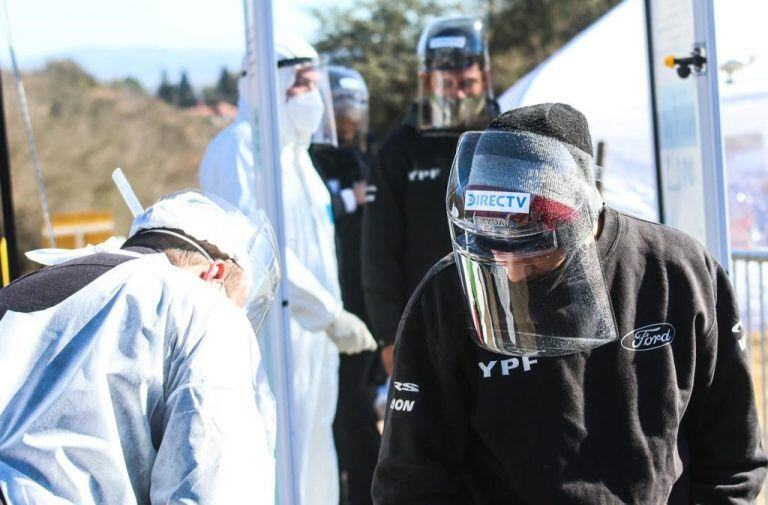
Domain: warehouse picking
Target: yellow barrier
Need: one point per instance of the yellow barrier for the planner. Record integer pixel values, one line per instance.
(5, 272)
(74, 230)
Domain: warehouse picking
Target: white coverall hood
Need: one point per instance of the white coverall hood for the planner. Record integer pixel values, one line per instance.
(203, 219)
(299, 117)
(246, 100)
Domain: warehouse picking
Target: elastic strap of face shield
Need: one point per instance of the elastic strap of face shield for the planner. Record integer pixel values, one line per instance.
(192, 243)
(179, 236)
(292, 62)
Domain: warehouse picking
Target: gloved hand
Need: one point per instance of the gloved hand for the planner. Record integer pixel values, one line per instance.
(350, 334)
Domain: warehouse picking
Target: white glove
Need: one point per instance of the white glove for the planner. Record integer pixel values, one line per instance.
(350, 334)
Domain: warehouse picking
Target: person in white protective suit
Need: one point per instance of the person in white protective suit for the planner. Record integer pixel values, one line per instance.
(133, 375)
(320, 327)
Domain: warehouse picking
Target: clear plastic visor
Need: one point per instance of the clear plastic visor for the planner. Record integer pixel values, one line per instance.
(547, 304)
(523, 241)
(454, 98)
(310, 84)
(352, 119)
(254, 239)
(265, 265)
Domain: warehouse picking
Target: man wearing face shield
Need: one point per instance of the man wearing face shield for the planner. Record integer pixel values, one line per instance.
(565, 352)
(133, 375)
(405, 231)
(320, 327)
(344, 170)
(344, 167)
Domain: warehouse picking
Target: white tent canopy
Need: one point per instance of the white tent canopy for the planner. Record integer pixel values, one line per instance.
(604, 73)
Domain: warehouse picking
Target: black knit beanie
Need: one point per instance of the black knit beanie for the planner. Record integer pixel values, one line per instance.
(557, 120)
(552, 152)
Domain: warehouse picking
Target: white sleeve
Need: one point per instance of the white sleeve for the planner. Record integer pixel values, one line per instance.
(227, 171)
(216, 444)
(313, 307)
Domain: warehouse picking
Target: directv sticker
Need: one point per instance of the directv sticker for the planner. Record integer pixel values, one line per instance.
(498, 201)
(451, 42)
(351, 83)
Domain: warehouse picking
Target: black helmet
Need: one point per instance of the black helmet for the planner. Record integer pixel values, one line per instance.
(350, 106)
(455, 92)
(453, 43)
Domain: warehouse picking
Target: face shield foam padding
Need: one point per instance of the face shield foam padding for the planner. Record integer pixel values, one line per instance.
(523, 240)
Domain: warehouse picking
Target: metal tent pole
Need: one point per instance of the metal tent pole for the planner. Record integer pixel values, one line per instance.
(8, 229)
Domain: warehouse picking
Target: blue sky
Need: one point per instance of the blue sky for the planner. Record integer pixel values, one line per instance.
(45, 27)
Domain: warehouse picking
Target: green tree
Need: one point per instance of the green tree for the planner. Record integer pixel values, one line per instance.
(526, 32)
(130, 84)
(166, 91)
(186, 95)
(378, 39)
(226, 86)
(225, 89)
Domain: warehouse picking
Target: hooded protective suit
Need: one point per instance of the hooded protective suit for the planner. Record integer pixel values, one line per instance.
(141, 385)
(314, 295)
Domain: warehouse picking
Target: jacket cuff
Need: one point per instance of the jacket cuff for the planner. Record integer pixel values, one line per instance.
(348, 197)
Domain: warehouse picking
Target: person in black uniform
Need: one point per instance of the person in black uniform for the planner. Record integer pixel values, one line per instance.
(404, 229)
(344, 170)
(565, 352)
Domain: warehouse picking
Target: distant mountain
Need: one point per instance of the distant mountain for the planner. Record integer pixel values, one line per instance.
(84, 129)
(147, 63)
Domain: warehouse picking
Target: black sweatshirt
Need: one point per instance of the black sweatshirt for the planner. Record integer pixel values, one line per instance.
(44, 288)
(405, 230)
(674, 424)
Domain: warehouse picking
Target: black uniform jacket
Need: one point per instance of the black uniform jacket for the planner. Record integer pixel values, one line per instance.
(405, 228)
(341, 168)
(641, 421)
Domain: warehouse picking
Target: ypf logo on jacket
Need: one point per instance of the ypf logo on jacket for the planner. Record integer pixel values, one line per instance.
(429, 174)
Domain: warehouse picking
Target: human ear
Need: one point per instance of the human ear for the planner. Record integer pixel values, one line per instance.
(216, 272)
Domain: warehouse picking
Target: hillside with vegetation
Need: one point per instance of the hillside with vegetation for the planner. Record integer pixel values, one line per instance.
(84, 130)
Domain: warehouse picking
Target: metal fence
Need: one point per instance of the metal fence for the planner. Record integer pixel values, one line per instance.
(749, 281)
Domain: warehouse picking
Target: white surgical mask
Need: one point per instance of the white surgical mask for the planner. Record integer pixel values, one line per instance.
(305, 112)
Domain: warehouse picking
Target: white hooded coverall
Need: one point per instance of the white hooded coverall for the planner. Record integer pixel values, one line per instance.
(314, 294)
(145, 386)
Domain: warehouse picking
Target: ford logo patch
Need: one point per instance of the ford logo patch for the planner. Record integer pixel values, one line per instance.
(649, 337)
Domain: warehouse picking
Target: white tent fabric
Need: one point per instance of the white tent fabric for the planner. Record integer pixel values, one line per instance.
(604, 73)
